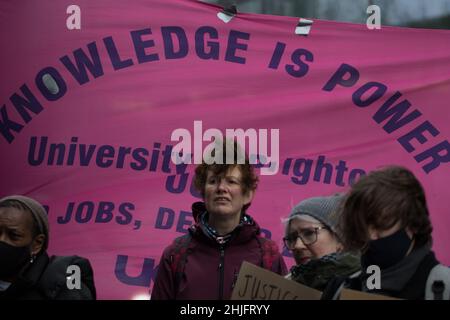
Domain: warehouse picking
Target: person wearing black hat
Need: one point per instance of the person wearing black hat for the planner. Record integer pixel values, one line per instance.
(26, 270)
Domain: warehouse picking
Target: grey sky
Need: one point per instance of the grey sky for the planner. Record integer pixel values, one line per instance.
(394, 12)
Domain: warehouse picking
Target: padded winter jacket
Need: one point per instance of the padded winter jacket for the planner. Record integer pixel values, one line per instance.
(210, 268)
(46, 279)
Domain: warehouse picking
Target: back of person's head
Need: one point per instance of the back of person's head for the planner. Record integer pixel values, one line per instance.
(380, 200)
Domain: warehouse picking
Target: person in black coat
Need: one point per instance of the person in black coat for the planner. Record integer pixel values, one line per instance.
(385, 216)
(26, 270)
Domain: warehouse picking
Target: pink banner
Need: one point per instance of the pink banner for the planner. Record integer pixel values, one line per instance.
(87, 117)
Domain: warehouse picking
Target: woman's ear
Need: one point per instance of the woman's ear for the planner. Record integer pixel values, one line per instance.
(37, 244)
(249, 196)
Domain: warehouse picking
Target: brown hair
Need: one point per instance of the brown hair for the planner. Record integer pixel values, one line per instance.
(249, 178)
(382, 199)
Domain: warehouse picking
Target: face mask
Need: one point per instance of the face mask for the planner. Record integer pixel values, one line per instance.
(12, 259)
(387, 251)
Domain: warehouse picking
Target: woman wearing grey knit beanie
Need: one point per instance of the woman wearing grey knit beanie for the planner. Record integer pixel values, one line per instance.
(26, 270)
(311, 237)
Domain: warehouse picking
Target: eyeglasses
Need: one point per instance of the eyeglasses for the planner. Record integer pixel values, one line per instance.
(307, 235)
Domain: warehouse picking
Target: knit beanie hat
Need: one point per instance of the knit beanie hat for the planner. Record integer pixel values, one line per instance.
(38, 212)
(321, 208)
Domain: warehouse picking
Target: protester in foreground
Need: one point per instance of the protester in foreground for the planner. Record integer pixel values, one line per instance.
(317, 250)
(26, 270)
(204, 264)
(386, 217)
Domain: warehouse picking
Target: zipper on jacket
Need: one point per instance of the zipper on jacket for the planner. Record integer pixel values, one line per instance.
(221, 271)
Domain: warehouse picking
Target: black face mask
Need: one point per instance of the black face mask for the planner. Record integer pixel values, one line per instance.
(388, 251)
(13, 259)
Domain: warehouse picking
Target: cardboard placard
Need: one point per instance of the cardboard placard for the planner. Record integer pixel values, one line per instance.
(255, 283)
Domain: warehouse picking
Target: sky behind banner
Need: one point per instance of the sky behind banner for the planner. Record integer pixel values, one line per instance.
(87, 116)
